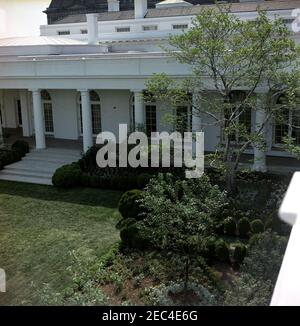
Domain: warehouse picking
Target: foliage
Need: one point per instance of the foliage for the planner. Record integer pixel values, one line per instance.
(233, 54)
(164, 295)
(257, 226)
(68, 176)
(222, 250)
(243, 227)
(247, 290)
(180, 214)
(8, 157)
(230, 226)
(265, 256)
(133, 237)
(129, 205)
(21, 146)
(239, 253)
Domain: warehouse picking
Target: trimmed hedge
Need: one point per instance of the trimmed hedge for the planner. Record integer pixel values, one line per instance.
(222, 250)
(67, 176)
(129, 206)
(8, 156)
(257, 226)
(133, 237)
(244, 227)
(239, 253)
(21, 146)
(229, 226)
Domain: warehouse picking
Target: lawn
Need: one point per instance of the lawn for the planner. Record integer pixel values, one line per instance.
(39, 228)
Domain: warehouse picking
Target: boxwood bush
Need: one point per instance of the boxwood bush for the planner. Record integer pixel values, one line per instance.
(21, 146)
(68, 176)
(129, 207)
(244, 227)
(239, 253)
(257, 226)
(222, 250)
(229, 226)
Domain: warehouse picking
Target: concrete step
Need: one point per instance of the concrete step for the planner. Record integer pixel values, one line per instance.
(49, 160)
(35, 166)
(25, 179)
(28, 173)
(47, 156)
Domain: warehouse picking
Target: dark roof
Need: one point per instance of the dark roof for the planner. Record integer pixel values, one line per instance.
(60, 9)
(182, 11)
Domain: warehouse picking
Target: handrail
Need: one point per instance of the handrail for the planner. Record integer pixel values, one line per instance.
(287, 290)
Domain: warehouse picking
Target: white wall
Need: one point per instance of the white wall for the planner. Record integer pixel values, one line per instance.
(9, 108)
(115, 109)
(65, 116)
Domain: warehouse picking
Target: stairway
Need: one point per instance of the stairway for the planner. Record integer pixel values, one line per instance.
(39, 166)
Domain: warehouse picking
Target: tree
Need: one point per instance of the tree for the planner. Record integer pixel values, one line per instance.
(236, 67)
(180, 215)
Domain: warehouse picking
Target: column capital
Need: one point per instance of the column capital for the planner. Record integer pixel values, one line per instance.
(34, 90)
(137, 90)
(83, 90)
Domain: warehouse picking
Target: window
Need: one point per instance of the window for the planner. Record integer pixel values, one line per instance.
(288, 125)
(150, 28)
(96, 113)
(180, 26)
(84, 31)
(63, 32)
(151, 125)
(123, 29)
(183, 119)
(48, 112)
(19, 112)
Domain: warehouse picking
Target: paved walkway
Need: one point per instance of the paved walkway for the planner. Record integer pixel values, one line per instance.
(39, 166)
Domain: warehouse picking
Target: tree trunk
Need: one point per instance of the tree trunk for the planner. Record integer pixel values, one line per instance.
(186, 276)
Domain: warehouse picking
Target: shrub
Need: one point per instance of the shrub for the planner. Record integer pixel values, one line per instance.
(257, 226)
(129, 207)
(243, 227)
(239, 253)
(21, 146)
(264, 256)
(8, 157)
(67, 176)
(221, 250)
(230, 226)
(133, 237)
(142, 180)
(209, 247)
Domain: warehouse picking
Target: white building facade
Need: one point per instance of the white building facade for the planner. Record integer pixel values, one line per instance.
(87, 73)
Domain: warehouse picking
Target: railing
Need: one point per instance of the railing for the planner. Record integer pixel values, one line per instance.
(287, 290)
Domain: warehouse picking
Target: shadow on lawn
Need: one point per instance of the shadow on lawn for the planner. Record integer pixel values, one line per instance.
(82, 196)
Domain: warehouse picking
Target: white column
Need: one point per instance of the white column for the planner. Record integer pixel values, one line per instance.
(1, 108)
(39, 122)
(25, 113)
(260, 157)
(86, 120)
(92, 22)
(139, 110)
(196, 119)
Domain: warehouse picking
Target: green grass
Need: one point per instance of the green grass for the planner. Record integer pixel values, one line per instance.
(40, 226)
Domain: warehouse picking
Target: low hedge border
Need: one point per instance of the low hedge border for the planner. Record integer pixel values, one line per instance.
(14, 154)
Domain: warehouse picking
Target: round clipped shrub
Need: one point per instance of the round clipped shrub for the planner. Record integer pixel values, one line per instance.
(243, 227)
(229, 226)
(239, 253)
(257, 226)
(68, 176)
(209, 247)
(21, 146)
(129, 206)
(143, 180)
(133, 237)
(222, 250)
